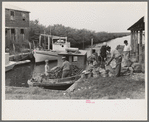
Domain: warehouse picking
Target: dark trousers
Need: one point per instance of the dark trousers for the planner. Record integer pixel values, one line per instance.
(65, 73)
(118, 66)
(118, 70)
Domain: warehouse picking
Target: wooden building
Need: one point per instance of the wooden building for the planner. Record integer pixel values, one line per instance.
(16, 23)
(137, 37)
(77, 58)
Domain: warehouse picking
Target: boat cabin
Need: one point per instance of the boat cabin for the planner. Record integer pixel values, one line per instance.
(74, 56)
(56, 43)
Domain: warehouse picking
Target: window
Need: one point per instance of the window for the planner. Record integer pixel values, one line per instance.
(75, 58)
(23, 16)
(11, 15)
(21, 31)
(6, 31)
(12, 31)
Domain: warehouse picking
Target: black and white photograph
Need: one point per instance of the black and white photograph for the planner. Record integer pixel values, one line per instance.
(89, 58)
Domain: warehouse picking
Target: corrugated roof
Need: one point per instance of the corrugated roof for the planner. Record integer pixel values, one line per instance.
(8, 6)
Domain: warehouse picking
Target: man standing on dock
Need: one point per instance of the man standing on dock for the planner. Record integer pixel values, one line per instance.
(65, 68)
(126, 53)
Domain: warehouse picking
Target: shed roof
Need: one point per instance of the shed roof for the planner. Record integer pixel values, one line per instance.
(139, 25)
(82, 52)
(8, 6)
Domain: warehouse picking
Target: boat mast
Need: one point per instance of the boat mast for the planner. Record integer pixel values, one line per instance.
(40, 40)
(48, 42)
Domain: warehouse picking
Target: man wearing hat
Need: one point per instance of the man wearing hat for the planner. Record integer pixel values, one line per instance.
(47, 69)
(65, 68)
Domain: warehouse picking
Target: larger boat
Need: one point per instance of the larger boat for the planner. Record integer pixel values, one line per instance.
(49, 47)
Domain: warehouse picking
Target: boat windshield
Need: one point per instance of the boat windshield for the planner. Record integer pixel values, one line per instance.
(59, 41)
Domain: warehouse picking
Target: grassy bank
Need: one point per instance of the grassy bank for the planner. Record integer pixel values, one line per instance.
(123, 87)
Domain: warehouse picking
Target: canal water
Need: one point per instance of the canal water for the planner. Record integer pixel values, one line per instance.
(112, 43)
(19, 75)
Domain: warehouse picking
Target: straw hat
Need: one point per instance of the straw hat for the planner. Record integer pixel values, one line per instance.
(105, 43)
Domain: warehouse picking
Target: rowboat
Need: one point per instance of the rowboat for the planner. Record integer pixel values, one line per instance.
(56, 84)
(76, 57)
(8, 64)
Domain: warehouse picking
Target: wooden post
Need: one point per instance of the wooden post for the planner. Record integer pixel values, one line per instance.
(48, 43)
(83, 43)
(14, 49)
(92, 42)
(136, 46)
(40, 40)
(52, 44)
(132, 41)
(34, 44)
(140, 47)
(91, 45)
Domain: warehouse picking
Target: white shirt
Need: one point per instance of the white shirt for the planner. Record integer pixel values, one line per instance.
(46, 69)
(127, 48)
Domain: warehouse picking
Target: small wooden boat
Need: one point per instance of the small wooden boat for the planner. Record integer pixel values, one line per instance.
(57, 84)
(22, 62)
(10, 66)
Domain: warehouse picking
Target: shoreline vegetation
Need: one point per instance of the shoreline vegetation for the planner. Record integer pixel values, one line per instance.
(80, 38)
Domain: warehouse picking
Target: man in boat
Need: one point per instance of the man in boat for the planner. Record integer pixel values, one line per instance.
(66, 69)
(118, 59)
(47, 69)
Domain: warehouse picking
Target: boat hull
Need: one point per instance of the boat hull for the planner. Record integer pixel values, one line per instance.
(41, 56)
(54, 84)
(10, 66)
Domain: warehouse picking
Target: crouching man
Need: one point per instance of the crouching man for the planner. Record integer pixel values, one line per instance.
(66, 69)
(118, 59)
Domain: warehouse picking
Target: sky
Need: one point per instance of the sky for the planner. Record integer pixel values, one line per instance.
(95, 16)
